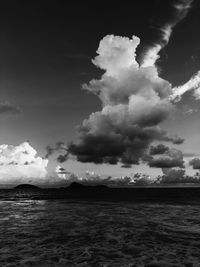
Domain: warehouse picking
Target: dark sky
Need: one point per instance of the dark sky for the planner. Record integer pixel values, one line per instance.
(46, 49)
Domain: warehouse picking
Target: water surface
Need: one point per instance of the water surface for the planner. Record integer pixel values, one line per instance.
(82, 233)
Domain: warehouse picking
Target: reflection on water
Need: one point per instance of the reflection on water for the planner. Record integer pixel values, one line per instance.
(80, 233)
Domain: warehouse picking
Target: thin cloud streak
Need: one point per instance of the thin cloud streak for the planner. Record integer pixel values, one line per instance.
(151, 55)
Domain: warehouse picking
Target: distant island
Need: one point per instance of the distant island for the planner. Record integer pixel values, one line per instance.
(28, 187)
(170, 193)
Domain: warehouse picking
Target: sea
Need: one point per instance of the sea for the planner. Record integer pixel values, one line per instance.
(97, 233)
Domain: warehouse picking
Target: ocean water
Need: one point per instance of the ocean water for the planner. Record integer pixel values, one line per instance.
(82, 233)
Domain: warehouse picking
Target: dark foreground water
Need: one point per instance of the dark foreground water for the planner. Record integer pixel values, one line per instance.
(81, 233)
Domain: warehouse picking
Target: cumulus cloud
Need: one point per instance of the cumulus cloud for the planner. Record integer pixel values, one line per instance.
(195, 163)
(7, 108)
(180, 10)
(21, 164)
(164, 157)
(135, 100)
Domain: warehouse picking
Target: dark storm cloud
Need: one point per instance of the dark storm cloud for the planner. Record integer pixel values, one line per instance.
(195, 163)
(7, 108)
(110, 148)
(124, 145)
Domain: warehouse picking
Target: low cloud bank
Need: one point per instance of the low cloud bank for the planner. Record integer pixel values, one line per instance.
(170, 176)
(20, 164)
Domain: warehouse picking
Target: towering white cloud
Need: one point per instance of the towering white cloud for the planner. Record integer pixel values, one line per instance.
(116, 53)
(21, 164)
(151, 55)
(135, 100)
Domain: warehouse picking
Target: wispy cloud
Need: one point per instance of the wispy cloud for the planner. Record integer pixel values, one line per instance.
(180, 10)
(192, 85)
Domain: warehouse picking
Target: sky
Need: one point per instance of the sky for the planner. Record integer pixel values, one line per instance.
(51, 51)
